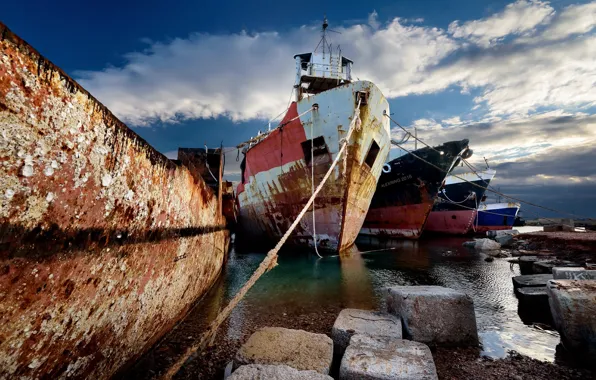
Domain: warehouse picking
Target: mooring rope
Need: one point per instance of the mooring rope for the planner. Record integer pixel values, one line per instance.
(268, 263)
(312, 186)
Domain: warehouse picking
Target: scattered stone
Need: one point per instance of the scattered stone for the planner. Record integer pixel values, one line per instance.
(485, 244)
(469, 244)
(573, 273)
(531, 280)
(535, 294)
(297, 348)
(363, 322)
(385, 358)
(574, 313)
(504, 240)
(419, 308)
(498, 253)
(526, 264)
(489, 259)
(499, 233)
(275, 372)
(546, 266)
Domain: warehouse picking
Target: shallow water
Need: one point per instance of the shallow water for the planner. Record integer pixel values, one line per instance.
(303, 284)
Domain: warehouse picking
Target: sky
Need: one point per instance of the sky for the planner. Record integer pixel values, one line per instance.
(517, 78)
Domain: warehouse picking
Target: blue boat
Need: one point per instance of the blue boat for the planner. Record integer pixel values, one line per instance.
(496, 216)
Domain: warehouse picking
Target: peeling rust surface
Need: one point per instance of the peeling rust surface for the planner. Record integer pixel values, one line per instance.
(104, 242)
(277, 181)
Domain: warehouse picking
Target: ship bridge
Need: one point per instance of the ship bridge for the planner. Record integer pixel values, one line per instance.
(321, 70)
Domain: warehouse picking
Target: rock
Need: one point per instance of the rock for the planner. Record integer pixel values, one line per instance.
(296, 348)
(533, 305)
(228, 369)
(498, 253)
(546, 266)
(489, 259)
(504, 240)
(275, 372)
(526, 264)
(573, 307)
(499, 233)
(573, 273)
(531, 280)
(385, 358)
(486, 245)
(470, 244)
(363, 322)
(419, 306)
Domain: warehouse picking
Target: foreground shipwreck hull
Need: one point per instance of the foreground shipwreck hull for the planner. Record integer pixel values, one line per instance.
(104, 242)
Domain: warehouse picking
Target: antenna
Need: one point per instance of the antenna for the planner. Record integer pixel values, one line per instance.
(488, 167)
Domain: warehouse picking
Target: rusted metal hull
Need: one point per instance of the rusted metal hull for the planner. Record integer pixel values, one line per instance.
(104, 242)
(454, 210)
(276, 181)
(407, 189)
(453, 222)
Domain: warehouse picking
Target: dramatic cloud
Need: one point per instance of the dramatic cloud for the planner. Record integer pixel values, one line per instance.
(517, 18)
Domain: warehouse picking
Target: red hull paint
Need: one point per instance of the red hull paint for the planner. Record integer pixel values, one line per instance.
(451, 222)
(281, 147)
(397, 221)
(492, 228)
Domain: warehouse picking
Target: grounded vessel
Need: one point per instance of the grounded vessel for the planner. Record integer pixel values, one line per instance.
(407, 188)
(282, 167)
(496, 216)
(104, 242)
(454, 211)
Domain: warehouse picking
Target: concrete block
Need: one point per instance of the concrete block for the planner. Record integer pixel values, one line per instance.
(384, 358)
(573, 273)
(573, 307)
(275, 372)
(364, 322)
(299, 349)
(493, 234)
(526, 264)
(530, 280)
(485, 244)
(504, 240)
(434, 314)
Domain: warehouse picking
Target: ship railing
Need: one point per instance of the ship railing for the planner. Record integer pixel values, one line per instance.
(325, 70)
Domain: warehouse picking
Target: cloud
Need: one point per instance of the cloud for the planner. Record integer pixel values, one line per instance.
(246, 76)
(575, 19)
(517, 18)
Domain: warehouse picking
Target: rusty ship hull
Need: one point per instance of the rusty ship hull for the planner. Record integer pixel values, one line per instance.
(104, 242)
(407, 189)
(455, 209)
(276, 172)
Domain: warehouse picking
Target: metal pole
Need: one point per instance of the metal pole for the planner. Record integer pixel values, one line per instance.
(415, 138)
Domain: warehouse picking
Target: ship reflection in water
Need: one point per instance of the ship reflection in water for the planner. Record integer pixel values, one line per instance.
(303, 285)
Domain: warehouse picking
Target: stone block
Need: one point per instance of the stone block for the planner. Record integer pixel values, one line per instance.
(530, 280)
(363, 322)
(504, 240)
(573, 273)
(573, 307)
(434, 314)
(275, 372)
(497, 233)
(299, 349)
(485, 244)
(384, 358)
(526, 264)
